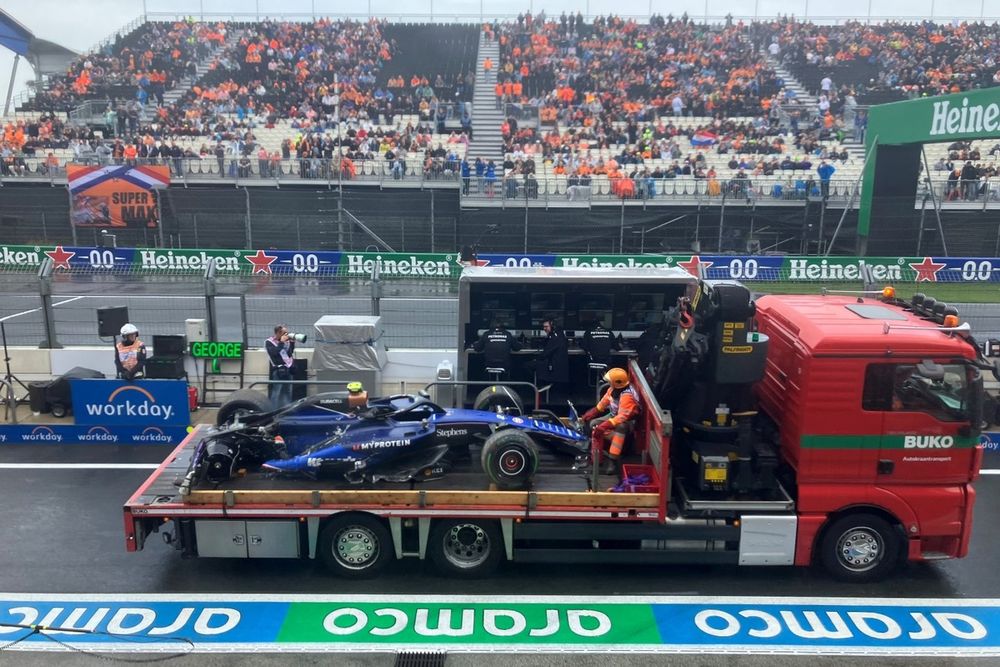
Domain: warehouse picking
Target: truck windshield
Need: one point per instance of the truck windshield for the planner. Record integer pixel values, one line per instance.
(947, 398)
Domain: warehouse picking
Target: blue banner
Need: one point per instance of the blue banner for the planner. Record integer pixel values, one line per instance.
(140, 403)
(82, 434)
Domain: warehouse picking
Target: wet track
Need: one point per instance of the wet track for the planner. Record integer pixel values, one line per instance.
(63, 534)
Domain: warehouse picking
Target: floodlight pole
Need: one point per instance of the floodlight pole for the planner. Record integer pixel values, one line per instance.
(10, 87)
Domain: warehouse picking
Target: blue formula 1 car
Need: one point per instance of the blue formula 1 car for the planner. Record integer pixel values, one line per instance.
(399, 438)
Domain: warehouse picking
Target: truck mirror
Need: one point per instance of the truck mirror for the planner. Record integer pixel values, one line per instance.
(930, 370)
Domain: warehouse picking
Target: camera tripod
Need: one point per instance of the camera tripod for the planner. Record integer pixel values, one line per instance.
(7, 393)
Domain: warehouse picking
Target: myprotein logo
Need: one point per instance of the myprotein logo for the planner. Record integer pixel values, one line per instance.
(152, 434)
(130, 401)
(98, 434)
(382, 444)
(42, 434)
(928, 441)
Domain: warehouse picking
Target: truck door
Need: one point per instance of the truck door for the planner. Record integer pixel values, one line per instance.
(925, 422)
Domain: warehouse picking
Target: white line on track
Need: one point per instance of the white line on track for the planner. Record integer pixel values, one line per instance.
(989, 472)
(35, 310)
(79, 466)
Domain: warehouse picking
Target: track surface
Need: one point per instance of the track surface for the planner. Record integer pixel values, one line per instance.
(63, 534)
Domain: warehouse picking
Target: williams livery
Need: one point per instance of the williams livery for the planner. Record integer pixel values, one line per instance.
(399, 438)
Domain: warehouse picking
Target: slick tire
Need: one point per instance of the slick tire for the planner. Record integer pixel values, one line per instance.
(355, 545)
(244, 401)
(860, 547)
(510, 459)
(499, 396)
(465, 548)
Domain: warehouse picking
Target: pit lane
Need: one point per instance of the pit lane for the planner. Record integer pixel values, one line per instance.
(62, 533)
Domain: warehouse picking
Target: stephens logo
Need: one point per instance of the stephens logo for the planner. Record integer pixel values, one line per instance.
(452, 432)
(42, 434)
(152, 434)
(98, 434)
(122, 403)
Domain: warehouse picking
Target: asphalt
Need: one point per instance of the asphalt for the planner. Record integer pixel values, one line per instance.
(61, 532)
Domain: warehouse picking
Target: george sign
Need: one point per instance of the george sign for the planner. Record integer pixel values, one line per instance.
(216, 350)
(141, 403)
(536, 624)
(115, 195)
(82, 434)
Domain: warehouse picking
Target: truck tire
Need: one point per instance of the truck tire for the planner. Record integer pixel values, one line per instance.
(244, 401)
(860, 547)
(510, 459)
(355, 545)
(499, 396)
(465, 548)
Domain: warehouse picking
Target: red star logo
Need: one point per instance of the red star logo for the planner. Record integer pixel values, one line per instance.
(926, 270)
(60, 257)
(693, 265)
(261, 262)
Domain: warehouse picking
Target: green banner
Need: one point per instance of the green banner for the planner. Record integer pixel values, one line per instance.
(414, 623)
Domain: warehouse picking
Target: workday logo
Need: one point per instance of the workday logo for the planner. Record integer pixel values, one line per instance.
(98, 434)
(42, 434)
(130, 401)
(152, 434)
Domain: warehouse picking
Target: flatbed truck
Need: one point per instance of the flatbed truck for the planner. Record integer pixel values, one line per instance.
(771, 433)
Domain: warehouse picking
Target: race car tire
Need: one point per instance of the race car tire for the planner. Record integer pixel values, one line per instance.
(499, 396)
(510, 459)
(860, 547)
(355, 545)
(465, 548)
(244, 401)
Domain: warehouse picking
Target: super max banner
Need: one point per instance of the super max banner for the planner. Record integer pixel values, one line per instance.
(837, 626)
(265, 263)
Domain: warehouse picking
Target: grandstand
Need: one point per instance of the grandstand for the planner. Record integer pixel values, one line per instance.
(589, 111)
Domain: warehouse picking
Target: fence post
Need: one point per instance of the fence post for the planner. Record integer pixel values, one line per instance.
(432, 219)
(45, 294)
(249, 228)
(376, 289)
(210, 291)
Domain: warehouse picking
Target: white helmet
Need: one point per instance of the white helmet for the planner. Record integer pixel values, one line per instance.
(129, 329)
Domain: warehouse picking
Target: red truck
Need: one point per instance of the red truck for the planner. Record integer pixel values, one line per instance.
(832, 429)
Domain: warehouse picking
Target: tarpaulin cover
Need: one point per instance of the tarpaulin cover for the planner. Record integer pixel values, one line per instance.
(349, 343)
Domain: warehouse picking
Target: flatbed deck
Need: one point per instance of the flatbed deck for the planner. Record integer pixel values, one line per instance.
(556, 485)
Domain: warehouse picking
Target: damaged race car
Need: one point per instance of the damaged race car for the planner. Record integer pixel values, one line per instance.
(399, 438)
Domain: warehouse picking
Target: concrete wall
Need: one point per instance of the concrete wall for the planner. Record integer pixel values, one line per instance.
(414, 367)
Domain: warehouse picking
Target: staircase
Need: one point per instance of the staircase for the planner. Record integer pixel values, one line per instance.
(174, 94)
(487, 142)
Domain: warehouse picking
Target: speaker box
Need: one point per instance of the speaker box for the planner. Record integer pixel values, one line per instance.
(168, 346)
(300, 371)
(165, 368)
(110, 320)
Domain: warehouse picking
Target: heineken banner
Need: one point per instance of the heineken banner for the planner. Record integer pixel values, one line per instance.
(266, 263)
(525, 624)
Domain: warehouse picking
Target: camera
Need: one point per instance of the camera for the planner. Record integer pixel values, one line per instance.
(297, 337)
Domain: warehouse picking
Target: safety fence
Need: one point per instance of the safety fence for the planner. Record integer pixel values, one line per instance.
(50, 296)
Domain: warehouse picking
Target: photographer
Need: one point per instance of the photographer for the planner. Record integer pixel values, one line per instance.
(280, 350)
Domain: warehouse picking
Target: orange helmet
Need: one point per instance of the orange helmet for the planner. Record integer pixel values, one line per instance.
(617, 377)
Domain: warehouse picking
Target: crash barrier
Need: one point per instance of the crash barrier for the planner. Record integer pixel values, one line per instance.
(240, 293)
(648, 624)
(113, 412)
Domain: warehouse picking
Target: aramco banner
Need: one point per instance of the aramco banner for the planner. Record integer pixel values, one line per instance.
(116, 195)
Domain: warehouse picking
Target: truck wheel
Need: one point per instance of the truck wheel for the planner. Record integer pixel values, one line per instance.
(243, 402)
(860, 547)
(466, 548)
(498, 396)
(510, 458)
(355, 545)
